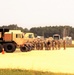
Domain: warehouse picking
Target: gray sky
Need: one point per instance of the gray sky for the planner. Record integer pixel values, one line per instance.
(34, 13)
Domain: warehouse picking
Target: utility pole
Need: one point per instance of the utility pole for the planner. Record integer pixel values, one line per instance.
(64, 32)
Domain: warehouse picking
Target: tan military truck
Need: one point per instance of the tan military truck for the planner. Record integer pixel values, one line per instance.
(11, 39)
(29, 37)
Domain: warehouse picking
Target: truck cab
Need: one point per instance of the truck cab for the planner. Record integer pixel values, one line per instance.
(11, 39)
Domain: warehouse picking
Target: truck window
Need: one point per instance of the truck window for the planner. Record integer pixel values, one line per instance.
(30, 36)
(19, 36)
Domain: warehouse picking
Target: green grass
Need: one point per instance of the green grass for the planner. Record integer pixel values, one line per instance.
(27, 72)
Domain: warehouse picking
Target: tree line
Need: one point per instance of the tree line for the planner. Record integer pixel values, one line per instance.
(47, 31)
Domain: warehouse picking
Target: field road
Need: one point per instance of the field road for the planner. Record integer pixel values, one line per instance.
(41, 60)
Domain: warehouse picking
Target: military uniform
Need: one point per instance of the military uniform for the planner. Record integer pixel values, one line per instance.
(59, 44)
(53, 44)
(64, 44)
(48, 45)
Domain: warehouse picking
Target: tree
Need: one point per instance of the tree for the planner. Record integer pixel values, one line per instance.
(49, 31)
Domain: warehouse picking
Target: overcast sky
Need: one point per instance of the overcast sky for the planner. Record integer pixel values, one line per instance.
(34, 13)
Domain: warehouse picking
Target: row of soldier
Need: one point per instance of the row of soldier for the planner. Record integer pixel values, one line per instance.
(40, 44)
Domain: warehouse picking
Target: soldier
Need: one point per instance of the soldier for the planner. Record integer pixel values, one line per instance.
(41, 45)
(38, 45)
(48, 45)
(45, 45)
(56, 44)
(59, 44)
(33, 45)
(53, 44)
(64, 44)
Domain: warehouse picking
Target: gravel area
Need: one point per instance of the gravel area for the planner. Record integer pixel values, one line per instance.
(41, 60)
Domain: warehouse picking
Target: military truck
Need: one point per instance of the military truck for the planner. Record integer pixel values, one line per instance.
(56, 36)
(11, 39)
(29, 37)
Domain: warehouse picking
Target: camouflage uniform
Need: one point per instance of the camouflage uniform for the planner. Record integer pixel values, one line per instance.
(59, 44)
(48, 45)
(56, 44)
(38, 45)
(45, 45)
(64, 44)
(53, 44)
(41, 46)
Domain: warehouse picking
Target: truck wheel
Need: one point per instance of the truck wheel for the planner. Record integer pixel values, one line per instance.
(9, 47)
(24, 49)
(1, 48)
(29, 48)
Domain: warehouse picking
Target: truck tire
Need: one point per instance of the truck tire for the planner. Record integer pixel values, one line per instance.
(29, 48)
(9, 47)
(1, 48)
(24, 49)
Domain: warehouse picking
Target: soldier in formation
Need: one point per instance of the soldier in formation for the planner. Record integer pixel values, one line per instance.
(64, 44)
(40, 44)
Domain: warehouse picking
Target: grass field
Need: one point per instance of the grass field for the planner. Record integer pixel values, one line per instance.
(28, 72)
(46, 61)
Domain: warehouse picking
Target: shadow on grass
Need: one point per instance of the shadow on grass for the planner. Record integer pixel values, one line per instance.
(27, 72)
